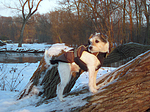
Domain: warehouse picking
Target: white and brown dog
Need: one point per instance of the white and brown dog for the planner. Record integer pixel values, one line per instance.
(89, 59)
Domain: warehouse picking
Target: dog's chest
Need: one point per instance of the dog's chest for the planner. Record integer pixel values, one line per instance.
(93, 60)
(89, 59)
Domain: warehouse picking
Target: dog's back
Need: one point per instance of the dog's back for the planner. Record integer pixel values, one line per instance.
(54, 51)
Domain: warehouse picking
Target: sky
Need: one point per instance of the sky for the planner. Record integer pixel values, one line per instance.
(45, 6)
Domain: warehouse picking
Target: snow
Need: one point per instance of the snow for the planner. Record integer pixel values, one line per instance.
(8, 99)
(25, 71)
(25, 47)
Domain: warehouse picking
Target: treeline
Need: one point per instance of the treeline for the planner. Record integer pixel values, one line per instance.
(38, 27)
(122, 20)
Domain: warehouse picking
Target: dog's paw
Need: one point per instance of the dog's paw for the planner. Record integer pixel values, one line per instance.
(61, 99)
(93, 90)
(97, 87)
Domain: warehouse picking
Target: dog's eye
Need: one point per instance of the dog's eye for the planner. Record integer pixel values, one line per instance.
(97, 41)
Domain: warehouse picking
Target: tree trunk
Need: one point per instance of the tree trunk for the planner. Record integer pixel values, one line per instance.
(139, 26)
(21, 33)
(127, 89)
(129, 50)
(124, 7)
(147, 30)
(147, 20)
(131, 23)
(136, 11)
(45, 80)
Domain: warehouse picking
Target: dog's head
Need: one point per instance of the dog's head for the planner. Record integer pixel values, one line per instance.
(98, 43)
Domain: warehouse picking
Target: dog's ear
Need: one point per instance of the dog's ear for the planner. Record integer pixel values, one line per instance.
(91, 36)
(104, 36)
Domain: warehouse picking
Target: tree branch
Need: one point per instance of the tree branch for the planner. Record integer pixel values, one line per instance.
(32, 4)
(10, 7)
(36, 8)
(29, 4)
(23, 14)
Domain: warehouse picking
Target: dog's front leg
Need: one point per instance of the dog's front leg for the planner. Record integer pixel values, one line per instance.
(92, 80)
(95, 76)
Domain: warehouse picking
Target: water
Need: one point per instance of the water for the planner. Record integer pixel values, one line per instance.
(7, 57)
(13, 57)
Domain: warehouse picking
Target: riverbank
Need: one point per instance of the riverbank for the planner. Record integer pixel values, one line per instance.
(29, 48)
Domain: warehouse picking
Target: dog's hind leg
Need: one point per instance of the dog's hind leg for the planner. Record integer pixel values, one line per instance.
(64, 73)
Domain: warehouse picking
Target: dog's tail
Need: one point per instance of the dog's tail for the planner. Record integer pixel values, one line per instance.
(55, 50)
(47, 57)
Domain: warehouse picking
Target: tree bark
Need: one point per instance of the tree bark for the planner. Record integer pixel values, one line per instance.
(147, 20)
(124, 19)
(127, 89)
(140, 22)
(131, 23)
(45, 80)
(125, 51)
(21, 33)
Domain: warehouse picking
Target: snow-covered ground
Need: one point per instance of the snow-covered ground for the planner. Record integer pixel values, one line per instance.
(8, 99)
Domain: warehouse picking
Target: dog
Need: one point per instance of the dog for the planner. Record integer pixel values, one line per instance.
(90, 59)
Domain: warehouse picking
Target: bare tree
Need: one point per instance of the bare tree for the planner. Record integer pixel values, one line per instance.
(31, 11)
(32, 8)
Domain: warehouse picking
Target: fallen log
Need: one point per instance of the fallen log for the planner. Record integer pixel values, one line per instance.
(123, 90)
(125, 51)
(44, 82)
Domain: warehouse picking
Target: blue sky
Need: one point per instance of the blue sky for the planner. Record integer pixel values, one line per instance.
(45, 6)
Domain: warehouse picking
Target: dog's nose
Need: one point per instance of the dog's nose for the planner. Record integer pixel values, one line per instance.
(90, 47)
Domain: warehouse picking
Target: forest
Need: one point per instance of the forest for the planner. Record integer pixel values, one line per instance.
(122, 20)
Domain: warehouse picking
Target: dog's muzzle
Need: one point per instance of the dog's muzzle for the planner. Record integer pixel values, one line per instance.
(90, 48)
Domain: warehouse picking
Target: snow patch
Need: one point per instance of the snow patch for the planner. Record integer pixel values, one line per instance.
(8, 102)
